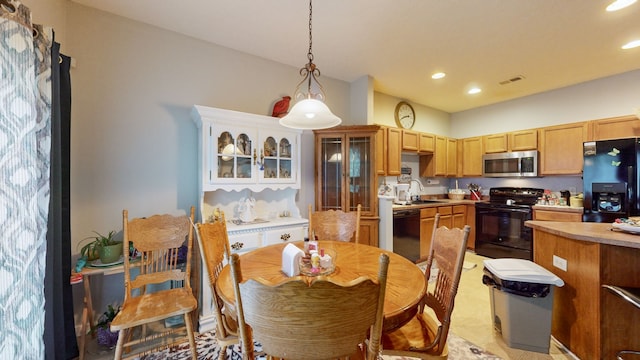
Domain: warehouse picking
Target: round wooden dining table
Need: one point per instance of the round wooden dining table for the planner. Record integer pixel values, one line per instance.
(405, 281)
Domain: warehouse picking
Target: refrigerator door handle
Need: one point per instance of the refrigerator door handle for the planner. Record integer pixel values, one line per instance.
(631, 185)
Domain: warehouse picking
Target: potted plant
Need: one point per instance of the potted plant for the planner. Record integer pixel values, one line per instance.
(104, 335)
(103, 246)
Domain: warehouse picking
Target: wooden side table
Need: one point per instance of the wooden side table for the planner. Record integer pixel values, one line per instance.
(87, 310)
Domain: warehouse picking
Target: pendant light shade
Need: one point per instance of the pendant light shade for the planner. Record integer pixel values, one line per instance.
(310, 112)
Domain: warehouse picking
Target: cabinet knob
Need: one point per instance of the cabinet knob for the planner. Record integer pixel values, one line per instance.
(285, 237)
(237, 245)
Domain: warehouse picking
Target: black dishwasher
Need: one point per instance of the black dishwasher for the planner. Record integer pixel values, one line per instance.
(406, 233)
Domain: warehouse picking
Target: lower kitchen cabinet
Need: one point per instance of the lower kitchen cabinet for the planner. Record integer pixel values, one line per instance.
(559, 214)
(451, 216)
(471, 221)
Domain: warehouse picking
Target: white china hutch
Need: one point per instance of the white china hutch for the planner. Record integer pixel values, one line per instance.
(247, 160)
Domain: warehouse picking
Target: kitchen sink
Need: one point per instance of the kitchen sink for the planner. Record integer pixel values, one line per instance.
(417, 202)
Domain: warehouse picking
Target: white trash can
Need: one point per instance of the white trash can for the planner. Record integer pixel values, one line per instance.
(521, 295)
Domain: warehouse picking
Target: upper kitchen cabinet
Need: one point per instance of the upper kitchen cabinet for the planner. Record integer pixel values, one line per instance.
(427, 143)
(616, 128)
(417, 142)
(523, 140)
(471, 156)
(443, 161)
(345, 174)
(513, 141)
(388, 151)
(410, 141)
(245, 151)
(495, 143)
(561, 148)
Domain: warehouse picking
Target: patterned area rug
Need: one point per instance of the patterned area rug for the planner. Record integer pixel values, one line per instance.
(459, 349)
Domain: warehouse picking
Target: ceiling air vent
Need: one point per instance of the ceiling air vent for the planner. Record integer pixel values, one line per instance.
(512, 80)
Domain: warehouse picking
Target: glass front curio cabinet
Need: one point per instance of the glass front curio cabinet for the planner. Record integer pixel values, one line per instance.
(246, 151)
(346, 174)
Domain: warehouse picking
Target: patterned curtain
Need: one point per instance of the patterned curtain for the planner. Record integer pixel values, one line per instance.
(25, 111)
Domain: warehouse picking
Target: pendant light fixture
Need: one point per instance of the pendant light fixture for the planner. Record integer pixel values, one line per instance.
(310, 111)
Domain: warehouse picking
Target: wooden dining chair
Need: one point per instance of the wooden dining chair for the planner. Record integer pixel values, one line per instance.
(335, 224)
(311, 319)
(213, 241)
(244, 332)
(423, 337)
(158, 239)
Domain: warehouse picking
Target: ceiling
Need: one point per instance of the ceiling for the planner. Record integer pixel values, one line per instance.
(400, 43)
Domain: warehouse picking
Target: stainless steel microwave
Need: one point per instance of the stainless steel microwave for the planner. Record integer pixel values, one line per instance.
(510, 164)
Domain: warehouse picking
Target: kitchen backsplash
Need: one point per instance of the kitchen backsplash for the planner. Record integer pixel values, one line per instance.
(442, 185)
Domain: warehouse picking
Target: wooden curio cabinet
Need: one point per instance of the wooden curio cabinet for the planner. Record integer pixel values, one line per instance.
(345, 174)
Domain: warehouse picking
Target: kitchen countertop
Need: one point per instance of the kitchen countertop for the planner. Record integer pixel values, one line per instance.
(436, 203)
(601, 233)
(266, 224)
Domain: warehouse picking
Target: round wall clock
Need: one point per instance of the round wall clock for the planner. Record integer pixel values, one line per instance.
(405, 116)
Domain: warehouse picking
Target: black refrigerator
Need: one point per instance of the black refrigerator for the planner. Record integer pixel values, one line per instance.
(610, 179)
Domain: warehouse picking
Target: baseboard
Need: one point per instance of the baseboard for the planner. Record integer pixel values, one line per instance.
(207, 323)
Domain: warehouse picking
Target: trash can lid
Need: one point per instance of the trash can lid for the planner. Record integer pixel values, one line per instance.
(521, 270)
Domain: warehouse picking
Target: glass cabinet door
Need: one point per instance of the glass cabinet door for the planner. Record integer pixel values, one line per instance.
(276, 159)
(234, 157)
(359, 172)
(331, 168)
(345, 171)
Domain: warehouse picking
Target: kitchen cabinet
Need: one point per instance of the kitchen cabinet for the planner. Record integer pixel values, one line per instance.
(561, 148)
(245, 151)
(388, 151)
(523, 140)
(512, 141)
(471, 156)
(443, 161)
(345, 174)
(452, 157)
(410, 141)
(458, 216)
(381, 153)
(495, 143)
(471, 221)
(450, 216)
(616, 128)
(427, 143)
(560, 214)
(591, 322)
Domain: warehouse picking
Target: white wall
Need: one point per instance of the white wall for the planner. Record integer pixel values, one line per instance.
(608, 97)
(133, 143)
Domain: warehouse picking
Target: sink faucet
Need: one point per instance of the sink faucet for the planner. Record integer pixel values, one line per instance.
(419, 183)
(420, 187)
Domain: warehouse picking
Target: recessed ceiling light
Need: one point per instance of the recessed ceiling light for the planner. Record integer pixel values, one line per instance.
(474, 90)
(438, 75)
(631, 45)
(619, 4)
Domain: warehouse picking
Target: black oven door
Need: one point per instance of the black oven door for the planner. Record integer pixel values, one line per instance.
(500, 231)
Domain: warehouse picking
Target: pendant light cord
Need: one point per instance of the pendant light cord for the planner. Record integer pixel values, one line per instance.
(310, 54)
